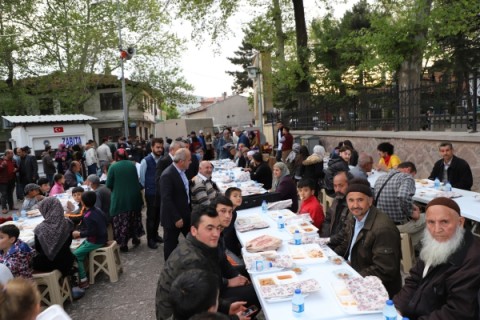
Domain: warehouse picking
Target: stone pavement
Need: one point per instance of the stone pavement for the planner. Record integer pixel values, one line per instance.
(132, 297)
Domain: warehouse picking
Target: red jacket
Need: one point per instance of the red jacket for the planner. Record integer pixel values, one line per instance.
(313, 207)
(288, 142)
(7, 170)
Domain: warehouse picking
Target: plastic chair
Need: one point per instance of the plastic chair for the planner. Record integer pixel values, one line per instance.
(54, 289)
(105, 259)
(408, 254)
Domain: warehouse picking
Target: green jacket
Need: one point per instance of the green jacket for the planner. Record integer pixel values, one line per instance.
(122, 179)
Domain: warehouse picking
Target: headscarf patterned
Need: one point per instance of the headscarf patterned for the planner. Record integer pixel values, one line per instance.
(55, 229)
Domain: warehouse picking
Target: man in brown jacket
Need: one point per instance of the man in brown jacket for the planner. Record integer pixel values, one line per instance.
(372, 241)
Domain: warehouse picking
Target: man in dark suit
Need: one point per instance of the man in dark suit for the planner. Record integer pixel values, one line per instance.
(163, 164)
(27, 168)
(175, 200)
(452, 168)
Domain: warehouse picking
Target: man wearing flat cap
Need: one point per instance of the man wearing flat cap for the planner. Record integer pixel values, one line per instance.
(372, 241)
(445, 281)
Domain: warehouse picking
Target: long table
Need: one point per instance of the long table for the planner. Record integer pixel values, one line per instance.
(318, 305)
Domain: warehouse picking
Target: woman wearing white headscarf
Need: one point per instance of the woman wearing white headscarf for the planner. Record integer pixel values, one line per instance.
(284, 184)
(313, 167)
(53, 238)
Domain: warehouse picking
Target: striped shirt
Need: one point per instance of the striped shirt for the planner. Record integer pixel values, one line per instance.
(203, 191)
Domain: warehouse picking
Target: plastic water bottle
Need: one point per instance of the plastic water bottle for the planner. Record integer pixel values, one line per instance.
(436, 184)
(297, 238)
(14, 216)
(24, 213)
(264, 207)
(281, 223)
(298, 304)
(262, 265)
(448, 186)
(389, 311)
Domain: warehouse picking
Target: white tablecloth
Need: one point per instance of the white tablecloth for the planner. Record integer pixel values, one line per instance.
(319, 305)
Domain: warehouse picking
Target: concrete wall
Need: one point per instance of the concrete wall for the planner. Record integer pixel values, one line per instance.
(233, 111)
(418, 147)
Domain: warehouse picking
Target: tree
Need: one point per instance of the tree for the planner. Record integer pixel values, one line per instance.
(243, 59)
(79, 38)
(212, 16)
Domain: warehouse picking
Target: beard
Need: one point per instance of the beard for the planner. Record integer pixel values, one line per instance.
(434, 252)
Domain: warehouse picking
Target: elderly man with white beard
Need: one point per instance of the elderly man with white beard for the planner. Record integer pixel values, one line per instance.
(445, 282)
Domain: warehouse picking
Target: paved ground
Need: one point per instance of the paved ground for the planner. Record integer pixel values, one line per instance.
(132, 297)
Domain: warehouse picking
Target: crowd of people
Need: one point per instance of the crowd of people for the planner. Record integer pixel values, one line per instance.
(172, 179)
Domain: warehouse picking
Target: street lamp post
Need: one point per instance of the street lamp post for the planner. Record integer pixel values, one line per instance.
(124, 89)
(120, 47)
(254, 74)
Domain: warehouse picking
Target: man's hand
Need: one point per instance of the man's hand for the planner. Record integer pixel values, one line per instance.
(70, 206)
(76, 234)
(237, 307)
(238, 281)
(415, 213)
(179, 224)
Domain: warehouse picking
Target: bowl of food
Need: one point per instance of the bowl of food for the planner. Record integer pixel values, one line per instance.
(342, 274)
(336, 260)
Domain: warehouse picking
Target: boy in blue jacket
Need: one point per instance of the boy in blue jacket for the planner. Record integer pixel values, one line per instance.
(94, 228)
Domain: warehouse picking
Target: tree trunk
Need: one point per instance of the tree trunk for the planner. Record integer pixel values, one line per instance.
(303, 86)
(410, 73)
(278, 21)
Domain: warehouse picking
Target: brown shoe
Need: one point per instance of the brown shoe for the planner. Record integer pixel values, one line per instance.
(83, 284)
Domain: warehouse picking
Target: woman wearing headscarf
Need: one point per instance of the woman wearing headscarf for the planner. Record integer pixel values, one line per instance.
(313, 167)
(53, 238)
(283, 184)
(290, 159)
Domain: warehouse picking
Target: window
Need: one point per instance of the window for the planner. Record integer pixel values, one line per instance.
(110, 101)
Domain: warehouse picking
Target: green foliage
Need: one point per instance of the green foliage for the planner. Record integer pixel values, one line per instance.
(76, 39)
(172, 112)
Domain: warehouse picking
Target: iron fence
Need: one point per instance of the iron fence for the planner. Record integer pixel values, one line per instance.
(434, 106)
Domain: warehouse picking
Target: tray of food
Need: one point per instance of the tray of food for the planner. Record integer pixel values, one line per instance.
(304, 227)
(263, 243)
(244, 224)
(33, 213)
(278, 261)
(307, 253)
(276, 287)
(358, 295)
(285, 213)
(423, 183)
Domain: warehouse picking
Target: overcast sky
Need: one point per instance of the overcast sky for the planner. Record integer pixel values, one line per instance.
(205, 70)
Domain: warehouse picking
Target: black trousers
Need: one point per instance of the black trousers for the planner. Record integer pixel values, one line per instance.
(153, 217)
(6, 190)
(170, 239)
